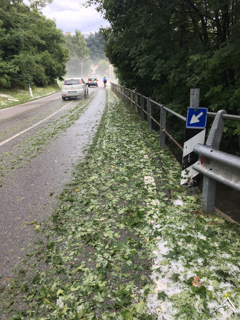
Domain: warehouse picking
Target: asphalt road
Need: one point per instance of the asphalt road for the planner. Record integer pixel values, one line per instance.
(32, 178)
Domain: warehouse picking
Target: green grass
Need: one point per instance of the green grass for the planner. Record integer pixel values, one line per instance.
(12, 97)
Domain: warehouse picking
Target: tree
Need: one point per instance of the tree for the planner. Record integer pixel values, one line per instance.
(39, 4)
(164, 48)
(95, 43)
(78, 53)
(32, 49)
(173, 43)
(102, 67)
(77, 45)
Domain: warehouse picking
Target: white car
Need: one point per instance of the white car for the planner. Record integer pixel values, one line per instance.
(74, 88)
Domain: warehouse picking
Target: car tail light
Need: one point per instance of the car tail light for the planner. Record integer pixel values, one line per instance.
(95, 79)
(80, 81)
(63, 83)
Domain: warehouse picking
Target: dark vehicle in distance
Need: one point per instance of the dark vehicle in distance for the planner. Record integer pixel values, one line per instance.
(92, 82)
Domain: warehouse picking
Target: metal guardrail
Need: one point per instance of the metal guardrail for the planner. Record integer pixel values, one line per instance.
(217, 165)
(143, 105)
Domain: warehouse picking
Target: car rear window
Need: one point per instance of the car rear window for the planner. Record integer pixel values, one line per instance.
(92, 79)
(72, 81)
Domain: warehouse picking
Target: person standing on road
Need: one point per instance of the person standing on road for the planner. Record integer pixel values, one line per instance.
(104, 81)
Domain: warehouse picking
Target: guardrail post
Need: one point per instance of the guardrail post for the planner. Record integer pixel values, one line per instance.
(136, 102)
(163, 117)
(149, 114)
(213, 141)
(131, 97)
(189, 177)
(142, 107)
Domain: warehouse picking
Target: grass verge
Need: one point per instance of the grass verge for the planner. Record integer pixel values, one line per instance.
(13, 97)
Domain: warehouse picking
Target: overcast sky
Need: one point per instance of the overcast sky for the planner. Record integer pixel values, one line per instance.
(69, 16)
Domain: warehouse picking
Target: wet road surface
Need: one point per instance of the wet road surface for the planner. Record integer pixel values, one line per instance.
(29, 193)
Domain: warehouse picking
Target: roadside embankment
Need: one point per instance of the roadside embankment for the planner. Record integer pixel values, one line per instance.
(14, 97)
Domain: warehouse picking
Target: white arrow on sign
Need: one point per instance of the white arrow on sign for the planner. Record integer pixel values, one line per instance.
(195, 119)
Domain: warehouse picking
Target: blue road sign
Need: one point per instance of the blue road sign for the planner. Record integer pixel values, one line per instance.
(196, 118)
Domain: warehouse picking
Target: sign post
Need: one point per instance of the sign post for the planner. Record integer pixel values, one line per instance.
(30, 90)
(194, 133)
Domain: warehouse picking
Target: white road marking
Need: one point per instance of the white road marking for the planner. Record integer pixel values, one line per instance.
(36, 124)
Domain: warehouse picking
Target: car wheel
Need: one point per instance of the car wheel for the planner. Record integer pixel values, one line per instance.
(85, 94)
(64, 98)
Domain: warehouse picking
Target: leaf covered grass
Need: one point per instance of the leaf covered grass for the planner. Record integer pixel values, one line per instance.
(119, 245)
(13, 97)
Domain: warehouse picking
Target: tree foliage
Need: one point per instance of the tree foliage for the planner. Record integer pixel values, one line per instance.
(77, 45)
(32, 49)
(78, 62)
(163, 48)
(102, 67)
(95, 43)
